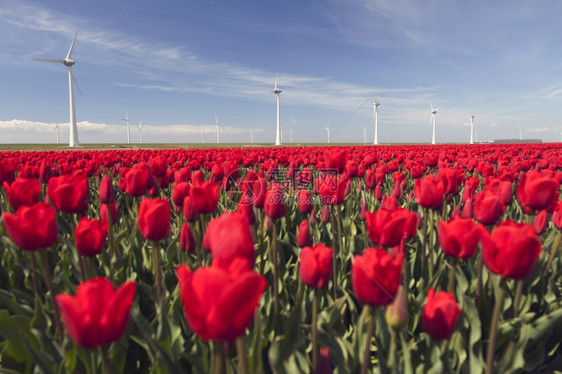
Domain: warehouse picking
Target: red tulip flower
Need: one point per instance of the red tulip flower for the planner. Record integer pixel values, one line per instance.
(304, 201)
(114, 211)
(23, 191)
(557, 215)
(487, 207)
(154, 219)
(7, 171)
(69, 193)
(179, 192)
(537, 190)
(97, 315)
(187, 241)
(204, 196)
(459, 237)
(90, 236)
(429, 192)
(316, 266)
(274, 204)
(229, 237)
(335, 160)
(332, 190)
(375, 276)
(218, 304)
(388, 228)
(32, 227)
(138, 180)
(511, 250)
(440, 314)
(106, 193)
(303, 235)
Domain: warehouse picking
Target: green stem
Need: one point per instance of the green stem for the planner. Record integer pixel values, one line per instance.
(47, 276)
(106, 361)
(340, 228)
(427, 363)
(367, 350)
(34, 277)
(334, 257)
(275, 278)
(518, 293)
(479, 281)
(430, 250)
(242, 359)
(424, 241)
(219, 358)
(451, 284)
(110, 236)
(555, 247)
(314, 329)
(494, 330)
(157, 271)
(392, 356)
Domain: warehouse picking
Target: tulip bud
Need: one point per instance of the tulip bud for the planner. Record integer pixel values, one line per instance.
(267, 223)
(325, 215)
(396, 314)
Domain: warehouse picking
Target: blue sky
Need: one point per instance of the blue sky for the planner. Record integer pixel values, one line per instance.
(501, 60)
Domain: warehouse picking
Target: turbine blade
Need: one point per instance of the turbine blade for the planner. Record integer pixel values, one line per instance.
(50, 60)
(74, 80)
(69, 54)
(431, 106)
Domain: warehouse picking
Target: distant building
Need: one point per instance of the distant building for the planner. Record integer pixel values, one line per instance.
(516, 141)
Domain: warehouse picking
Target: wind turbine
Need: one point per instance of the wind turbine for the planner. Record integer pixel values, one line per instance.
(376, 106)
(433, 113)
(140, 132)
(328, 130)
(68, 62)
(471, 128)
(217, 129)
(277, 91)
(126, 119)
(252, 135)
(57, 128)
(203, 135)
(364, 135)
(520, 135)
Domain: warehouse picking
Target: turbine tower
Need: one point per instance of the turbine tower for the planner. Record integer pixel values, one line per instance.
(217, 129)
(364, 135)
(252, 135)
(140, 132)
(203, 135)
(277, 91)
(328, 130)
(68, 62)
(126, 119)
(433, 113)
(471, 128)
(376, 106)
(520, 135)
(57, 128)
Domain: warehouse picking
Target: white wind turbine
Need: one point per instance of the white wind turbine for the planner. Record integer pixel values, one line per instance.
(433, 113)
(364, 135)
(57, 128)
(203, 135)
(252, 135)
(140, 132)
(217, 129)
(328, 130)
(126, 119)
(277, 91)
(68, 62)
(520, 134)
(471, 124)
(376, 107)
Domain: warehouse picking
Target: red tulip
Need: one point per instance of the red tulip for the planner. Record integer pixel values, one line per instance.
(274, 204)
(451, 179)
(539, 223)
(375, 276)
(459, 237)
(154, 219)
(32, 227)
(388, 227)
(23, 191)
(316, 266)
(217, 304)
(335, 160)
(114, 210)
(537, 190)
(557, 215)
(204, 196)
(97, 315)
(7, 171)
(429, 192)
(303, 235)
(332, 189)
(187, 241)
(179, 192)
(106, 193)
(228, 237)
(69, 193)
(304, 201)
(440, 314)
(511, 250)
(138, 180)
(487, 207)
(90, 236)
(158, 166)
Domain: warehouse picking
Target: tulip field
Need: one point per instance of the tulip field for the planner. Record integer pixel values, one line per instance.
(343, 259)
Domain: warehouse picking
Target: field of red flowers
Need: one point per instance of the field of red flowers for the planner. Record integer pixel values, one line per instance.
(398, 259)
